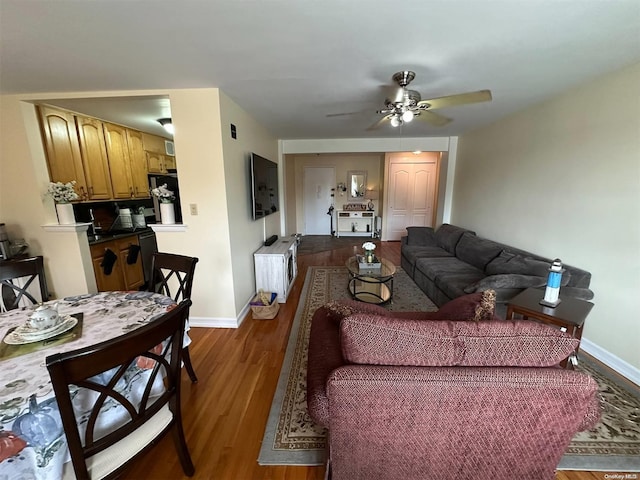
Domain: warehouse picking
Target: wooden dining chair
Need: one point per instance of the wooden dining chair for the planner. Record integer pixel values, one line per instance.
(172, 275)
(136, 375)
(17, 276)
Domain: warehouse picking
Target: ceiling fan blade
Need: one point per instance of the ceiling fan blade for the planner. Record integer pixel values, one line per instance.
(379, 123)
(460, 99)
(347, 113)
(433, 118)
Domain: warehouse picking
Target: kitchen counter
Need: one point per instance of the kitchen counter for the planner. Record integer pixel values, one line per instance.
(106, 237)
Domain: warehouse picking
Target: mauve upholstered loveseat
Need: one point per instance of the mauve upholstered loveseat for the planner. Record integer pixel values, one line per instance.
(415, 396)
(452, 261)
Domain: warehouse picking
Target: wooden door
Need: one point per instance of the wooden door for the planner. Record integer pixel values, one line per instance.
(119, 165)
(317, 185)
(63, 148)
(411, 195)
(138, 164)
(94, 158)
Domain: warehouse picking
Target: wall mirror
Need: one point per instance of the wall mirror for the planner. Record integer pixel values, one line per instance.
(356, 184)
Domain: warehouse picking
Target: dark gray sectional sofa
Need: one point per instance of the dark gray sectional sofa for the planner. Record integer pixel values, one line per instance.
(453, 261)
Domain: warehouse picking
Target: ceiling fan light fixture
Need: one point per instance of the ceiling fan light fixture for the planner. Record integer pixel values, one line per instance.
(396, 121)
(407, 116)
(167, 124)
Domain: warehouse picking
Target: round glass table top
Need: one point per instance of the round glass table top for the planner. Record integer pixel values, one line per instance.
(386, 269)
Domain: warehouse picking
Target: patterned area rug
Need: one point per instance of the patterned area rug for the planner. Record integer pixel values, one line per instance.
(291, 437)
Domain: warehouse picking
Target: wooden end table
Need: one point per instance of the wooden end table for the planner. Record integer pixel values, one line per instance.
(569, 315)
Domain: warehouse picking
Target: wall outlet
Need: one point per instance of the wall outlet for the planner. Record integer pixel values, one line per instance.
(194, 208)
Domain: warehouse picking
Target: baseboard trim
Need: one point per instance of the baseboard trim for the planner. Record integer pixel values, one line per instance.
(219, 322)
(610, 360)
(210, 322)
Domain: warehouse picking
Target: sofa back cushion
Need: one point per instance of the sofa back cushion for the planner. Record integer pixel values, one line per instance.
(477, 251)
(447, 236)
(420, 236)
(507, 263)
(377, 340)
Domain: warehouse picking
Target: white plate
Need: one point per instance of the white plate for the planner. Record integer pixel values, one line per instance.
(23, 334)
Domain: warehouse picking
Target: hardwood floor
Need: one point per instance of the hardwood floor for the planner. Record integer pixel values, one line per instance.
(225, 413)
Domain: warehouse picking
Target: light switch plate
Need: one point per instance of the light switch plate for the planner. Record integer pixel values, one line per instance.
(194, 208)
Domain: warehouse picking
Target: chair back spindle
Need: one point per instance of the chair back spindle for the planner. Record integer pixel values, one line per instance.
(17, 277)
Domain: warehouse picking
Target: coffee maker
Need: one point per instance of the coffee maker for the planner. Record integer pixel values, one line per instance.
(5, 245)
(9, 249)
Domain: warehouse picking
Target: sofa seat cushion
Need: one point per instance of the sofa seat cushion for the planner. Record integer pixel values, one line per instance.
(432, 268)
(454, 284)
(412, 254)
(379, 340)
(477, 251)
(447, 236)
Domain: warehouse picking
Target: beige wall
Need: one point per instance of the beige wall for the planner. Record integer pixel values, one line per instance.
(562, 179)
(342, 162)
(246, 234)
(200, 164)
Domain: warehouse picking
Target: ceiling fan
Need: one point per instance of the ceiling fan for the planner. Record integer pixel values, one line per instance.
(404, 105)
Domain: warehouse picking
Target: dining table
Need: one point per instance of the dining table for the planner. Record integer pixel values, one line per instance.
(32, 440)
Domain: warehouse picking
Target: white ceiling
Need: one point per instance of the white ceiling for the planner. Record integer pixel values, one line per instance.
(289, 63)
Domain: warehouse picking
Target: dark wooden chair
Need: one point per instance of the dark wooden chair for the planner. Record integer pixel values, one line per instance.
(150, 356)
(172, 275)
(27, 270)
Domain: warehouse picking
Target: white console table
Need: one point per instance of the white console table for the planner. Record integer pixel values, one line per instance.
(276, 267)
(355, 223)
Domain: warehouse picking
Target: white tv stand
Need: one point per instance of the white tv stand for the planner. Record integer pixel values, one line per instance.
(276, 267)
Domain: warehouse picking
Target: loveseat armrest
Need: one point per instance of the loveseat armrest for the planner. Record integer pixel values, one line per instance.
(426, 422)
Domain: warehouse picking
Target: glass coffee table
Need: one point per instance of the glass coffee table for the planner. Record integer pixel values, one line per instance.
(371, 285)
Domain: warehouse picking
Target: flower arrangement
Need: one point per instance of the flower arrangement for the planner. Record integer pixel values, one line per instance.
(62, 192)
(163, 194)
(370, 246)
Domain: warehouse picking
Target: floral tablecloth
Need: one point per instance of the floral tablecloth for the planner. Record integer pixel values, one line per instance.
(32, 443)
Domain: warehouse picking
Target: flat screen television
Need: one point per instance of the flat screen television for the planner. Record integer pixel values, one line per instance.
(264, 186)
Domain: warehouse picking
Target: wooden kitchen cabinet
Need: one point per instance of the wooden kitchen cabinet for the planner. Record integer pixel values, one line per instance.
(119, 164)
(153, 143)
(157, 163)
(62, 146)
(123, 276)
(157, 159)
(138, 161)
(169, 162)
(94, 158)
(126, 162)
